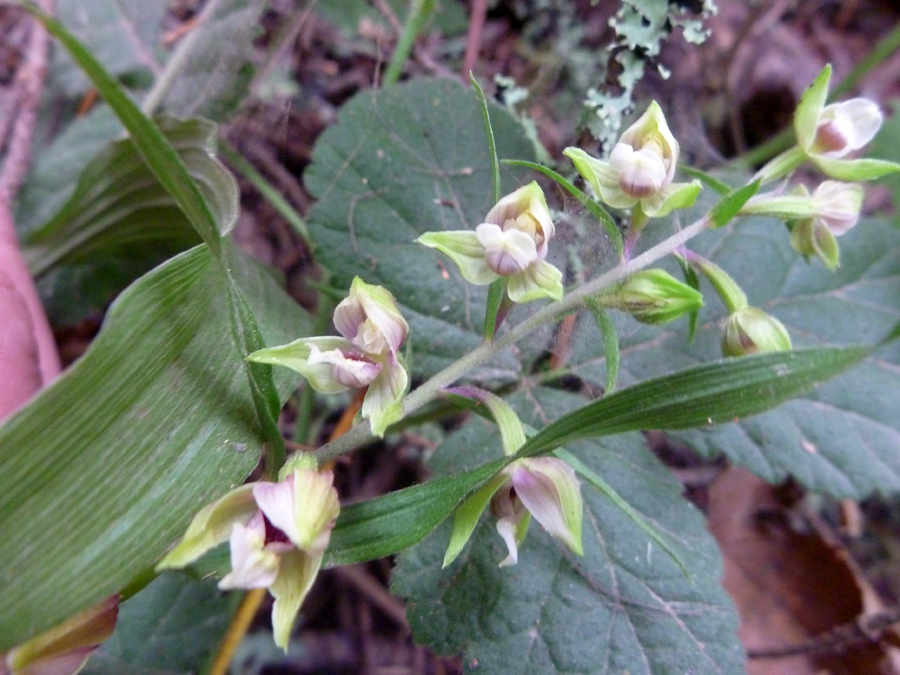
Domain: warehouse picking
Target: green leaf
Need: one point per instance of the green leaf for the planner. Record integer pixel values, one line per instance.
(708, 180)
(172, 626)
(386, 525)
(124, 35)
(119, 214)
(728, 207)
(708, 394)
(625, 606)
(153, 422)
(400, 162)
(213, 63)
(610, 345)
(159, 155)
(842, 439)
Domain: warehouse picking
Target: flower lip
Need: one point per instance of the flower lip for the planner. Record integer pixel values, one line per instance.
(641, 173)
(845, 127)
(349, 368)
(507, 251)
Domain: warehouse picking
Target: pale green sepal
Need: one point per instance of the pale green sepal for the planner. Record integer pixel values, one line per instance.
(780, 166)
(806, 116)
(541, 280)
(383, 404)
(298, 461)
(671, 197)
(601, 177)
(211, 527)
(811, 238)
(464, 249)
(295, 355)
(467, 514)
(727, 288)
(548, 488)
(786, 207)
(511, 432)
(296, 575)
(854, 169)
(316, 508)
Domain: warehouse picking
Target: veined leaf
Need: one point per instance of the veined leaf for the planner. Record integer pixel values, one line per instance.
(103, 470)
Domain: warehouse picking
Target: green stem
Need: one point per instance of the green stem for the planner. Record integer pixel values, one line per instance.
(419, 11)
(266, 189)
(361, 433)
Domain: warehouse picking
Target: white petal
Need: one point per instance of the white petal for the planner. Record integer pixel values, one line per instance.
(252, 565)
(506, 252)
(507, 529)
(640, 173)
(352, 371)
(276, 501)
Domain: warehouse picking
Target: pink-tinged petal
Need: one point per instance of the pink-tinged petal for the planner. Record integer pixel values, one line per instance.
(506, 252)
(62, 650)
(211, 527)
(253, 565)
(549, 490)
(296, 577)
(350, 369)
(295, 356)
(845, 127)
(370, 319)
(837, 205)
(640, 173)
(528, 199)
(276, 501)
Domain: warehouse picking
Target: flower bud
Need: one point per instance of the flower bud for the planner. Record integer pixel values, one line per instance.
(654, 297)
(811, 237)
(751, 330)
(845, 127)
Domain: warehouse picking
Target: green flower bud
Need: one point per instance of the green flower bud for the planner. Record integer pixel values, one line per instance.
(751, 330)
(654, 297)
(812, 237)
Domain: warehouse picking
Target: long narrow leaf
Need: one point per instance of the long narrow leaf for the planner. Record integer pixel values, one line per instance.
(712, 393)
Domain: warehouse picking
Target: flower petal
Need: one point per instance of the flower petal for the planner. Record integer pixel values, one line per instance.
(549, 490)
(671, 197)
(295, 355)
(253, 565)
(506, 252)
(602, 178)
(383, 403)
(345, 369)
(464, 249)
(528, 199)
(369, 317)
(295, 578)
(211, 526)
(541, 280)
(316, 508)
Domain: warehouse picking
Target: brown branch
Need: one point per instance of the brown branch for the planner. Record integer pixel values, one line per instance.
(473, 38)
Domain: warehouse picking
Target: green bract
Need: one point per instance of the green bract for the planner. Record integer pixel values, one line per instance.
(511, 242)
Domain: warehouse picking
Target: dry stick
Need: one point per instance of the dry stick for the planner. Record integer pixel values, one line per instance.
(249, 606)
(865, 629)
(29, 81)
(473, 38)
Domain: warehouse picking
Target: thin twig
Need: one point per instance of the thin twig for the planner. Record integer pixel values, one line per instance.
(473, 37)
(28, 83)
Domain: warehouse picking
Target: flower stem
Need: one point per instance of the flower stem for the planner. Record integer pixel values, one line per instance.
(361, 433)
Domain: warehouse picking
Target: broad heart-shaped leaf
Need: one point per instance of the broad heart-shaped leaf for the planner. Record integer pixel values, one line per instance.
(171, 627)
(844, 437)
(120, 222)
(625, 606)
(400, 162)
(104, 469)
